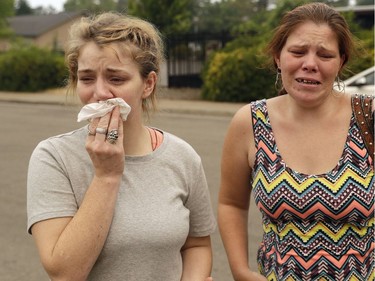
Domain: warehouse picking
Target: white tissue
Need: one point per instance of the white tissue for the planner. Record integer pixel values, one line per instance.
(99, 109)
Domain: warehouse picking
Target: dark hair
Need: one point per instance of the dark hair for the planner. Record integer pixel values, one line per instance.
(317, 13)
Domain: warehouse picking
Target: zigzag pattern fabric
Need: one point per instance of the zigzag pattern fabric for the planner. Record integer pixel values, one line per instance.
(316, 227)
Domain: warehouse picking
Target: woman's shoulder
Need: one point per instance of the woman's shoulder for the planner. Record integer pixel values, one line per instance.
(179, 146)
(254, 106)
(177, 141)
(68, 140)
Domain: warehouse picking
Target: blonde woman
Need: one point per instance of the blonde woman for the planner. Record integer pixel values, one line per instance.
(117, 200)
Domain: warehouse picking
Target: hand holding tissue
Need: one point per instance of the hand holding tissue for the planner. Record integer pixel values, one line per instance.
(99, 109)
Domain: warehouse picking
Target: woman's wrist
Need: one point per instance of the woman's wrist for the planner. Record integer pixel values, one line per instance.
(108, 181)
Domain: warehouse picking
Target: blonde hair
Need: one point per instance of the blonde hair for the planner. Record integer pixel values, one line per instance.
(140, 38)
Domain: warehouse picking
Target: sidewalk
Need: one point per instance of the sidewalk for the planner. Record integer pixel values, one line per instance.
(170, 100)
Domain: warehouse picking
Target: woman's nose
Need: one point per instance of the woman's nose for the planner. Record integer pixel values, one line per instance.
(310, 63)
(102, 90)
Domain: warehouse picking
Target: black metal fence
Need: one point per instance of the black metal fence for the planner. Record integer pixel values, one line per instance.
(186, 55)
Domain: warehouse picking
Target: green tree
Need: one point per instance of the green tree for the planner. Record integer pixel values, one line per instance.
(6, 10)
(170, 16)
(23, 8)
(93, 6)
(40, 10)
(122, 5)
(223, 15)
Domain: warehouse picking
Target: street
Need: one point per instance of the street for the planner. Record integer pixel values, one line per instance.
(23, 125)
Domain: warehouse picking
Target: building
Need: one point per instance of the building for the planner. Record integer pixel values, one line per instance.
(45, 31)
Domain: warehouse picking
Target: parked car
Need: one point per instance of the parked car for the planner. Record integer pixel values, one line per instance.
(361, 83)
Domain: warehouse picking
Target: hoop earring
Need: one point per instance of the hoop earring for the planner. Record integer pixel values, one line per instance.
(278, 82)
(339, 85)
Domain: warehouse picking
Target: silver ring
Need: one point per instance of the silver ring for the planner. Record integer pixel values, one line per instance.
(111, 141)
(112, 136)
(101, 131)
(90, 133)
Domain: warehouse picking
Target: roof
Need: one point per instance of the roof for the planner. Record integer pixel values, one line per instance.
(35, 25)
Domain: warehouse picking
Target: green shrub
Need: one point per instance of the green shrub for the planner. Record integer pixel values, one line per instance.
(31, 69)
(237, 77)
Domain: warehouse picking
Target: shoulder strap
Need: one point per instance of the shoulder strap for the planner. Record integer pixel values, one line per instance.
(156, 137)
(258, 117)
(362, 108)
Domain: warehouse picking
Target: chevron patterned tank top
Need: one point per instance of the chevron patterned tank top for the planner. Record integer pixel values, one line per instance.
(316, 227)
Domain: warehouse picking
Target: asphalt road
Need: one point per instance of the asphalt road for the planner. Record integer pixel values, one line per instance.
(23, 125)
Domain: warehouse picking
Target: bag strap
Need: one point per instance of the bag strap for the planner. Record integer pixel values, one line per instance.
(362, 108)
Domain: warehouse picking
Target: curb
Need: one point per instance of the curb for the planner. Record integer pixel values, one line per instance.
(182, 106)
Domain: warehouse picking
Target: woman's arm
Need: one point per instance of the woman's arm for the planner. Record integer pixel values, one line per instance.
(234, 196)
(68, 247)
(196, 259)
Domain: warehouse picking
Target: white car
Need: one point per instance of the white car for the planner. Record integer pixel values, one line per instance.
(361, 83)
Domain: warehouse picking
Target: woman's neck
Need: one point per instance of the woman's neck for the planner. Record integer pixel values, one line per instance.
(136, 140)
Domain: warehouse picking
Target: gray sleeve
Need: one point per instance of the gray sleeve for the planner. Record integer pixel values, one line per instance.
(202, 220)
(49, 192)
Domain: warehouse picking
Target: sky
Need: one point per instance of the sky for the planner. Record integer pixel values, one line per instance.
(57, 4)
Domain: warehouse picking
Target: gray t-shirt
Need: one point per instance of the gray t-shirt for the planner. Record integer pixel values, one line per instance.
(163, 198)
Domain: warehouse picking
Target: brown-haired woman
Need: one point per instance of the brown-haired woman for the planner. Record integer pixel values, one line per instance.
(303, 158)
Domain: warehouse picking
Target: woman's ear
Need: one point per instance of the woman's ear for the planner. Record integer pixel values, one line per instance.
(150, 84)
(276, 61)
